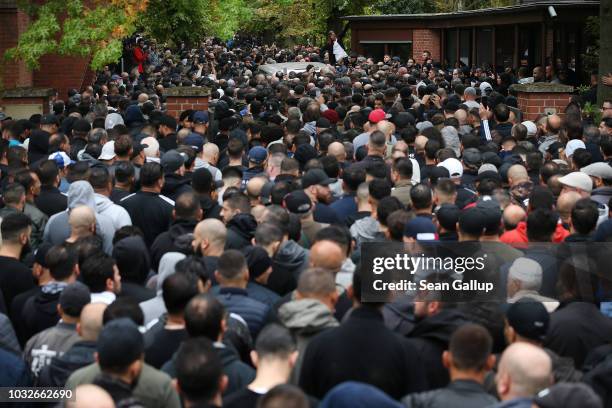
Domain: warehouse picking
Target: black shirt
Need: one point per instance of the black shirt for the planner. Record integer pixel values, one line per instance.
(151, 212)
(51, 200)
(118, 194)
(15, 278)
(164, 345)
(244, 398)
(168, 142)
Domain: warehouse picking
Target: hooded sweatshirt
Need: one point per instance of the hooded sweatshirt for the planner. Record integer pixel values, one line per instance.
(240, 231)
(305, 318)
(134, 265)
(153, 308)
(118, 215)
(366, 230)
(80, 193)
(287, 265)
(167, 241)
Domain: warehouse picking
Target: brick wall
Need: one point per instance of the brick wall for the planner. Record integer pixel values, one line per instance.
(12, 23)
(541, 98)
(426, 39)
(183, 98)
(62, 73)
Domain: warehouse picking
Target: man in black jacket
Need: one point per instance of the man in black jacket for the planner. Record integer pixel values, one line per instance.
(50, 200)
(241, 225)
(361, 349)
(468, 359)
(187, 213)
(80, 354)
(175, 181)
(436, 321)
(204, 186)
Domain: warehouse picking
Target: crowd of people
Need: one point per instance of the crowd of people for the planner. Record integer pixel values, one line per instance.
(213, 259)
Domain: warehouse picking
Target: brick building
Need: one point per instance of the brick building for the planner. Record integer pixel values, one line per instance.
(528, 34)
(57, 72)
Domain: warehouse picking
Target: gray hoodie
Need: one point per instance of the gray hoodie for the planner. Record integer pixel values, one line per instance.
(366, 230)
(291, 257)
(154, 308)
(305, 318)
(118, 215)
(80, 193)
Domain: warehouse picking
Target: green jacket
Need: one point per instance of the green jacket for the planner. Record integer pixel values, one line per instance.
(154, 387)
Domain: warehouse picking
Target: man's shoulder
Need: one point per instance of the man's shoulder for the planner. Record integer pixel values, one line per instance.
(84, 375)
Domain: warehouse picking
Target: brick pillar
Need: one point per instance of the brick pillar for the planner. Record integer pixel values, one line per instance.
(426, 39)
(542, 98)
(182, 98)
(13, 22)
(21, 103)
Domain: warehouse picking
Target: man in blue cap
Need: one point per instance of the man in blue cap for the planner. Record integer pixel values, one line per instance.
(258, 156)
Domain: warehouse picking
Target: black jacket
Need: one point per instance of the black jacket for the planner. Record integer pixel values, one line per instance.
(575, 329)
(165, 242)
(240, 230)
(175, 185)
(57, 372)
(361, 349)
(254, 312)
(168, 142)
(430, 337)
(150, 212)
(40, 313)
(120, 391)
(457, 394)
(51, 200)
(210, 207)
(239, 375)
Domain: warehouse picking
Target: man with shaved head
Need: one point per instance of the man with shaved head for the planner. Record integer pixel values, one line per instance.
(209, 241)
(520, 184)
(523, 371)
(565, 204)
(82, 222)
(81, 353)
(552, 125)
(254, 187)
(337, 150)
(512, 215)
(327, 255)
(91, 396)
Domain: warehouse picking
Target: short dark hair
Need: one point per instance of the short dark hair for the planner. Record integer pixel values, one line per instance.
(541, 223)
(470, 346)
(386, 206)
(47, 172)
(202, 181)
(267, 233)
(123, 145)
(501, 112)
(289, 164)
(420, 196)
(203, 316)
(403, 166)
(96, 270)
(239, 201)
(123, 171)
(24, 177)
(541, 197)
(198, 369)
(275, 340)
(194, 265)
(231, 263)
(379, 189)
(353, 176)
(124, 307)
(431, 148)
(13, 225)
(177, 291)
(187, 206)
(13, 193)
(585, 215)
(61, 261)
(150, 173)
(99, 177)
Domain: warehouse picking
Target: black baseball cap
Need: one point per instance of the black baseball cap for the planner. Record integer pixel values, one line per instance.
(120, 344)
(49, 119)
(316, 177)
(297, 202)
(472, 156)
(488, 174)
(529, 318)
(41, 253)
(568, 395)
(470, 221)
(490, 212)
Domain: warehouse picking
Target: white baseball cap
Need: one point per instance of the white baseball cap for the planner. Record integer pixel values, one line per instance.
(572, 145)
(454, 167)
(108, 151)
(532, 129)
(578, 180)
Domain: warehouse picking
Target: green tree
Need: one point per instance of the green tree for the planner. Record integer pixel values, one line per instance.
(604, 91)
(403, 7)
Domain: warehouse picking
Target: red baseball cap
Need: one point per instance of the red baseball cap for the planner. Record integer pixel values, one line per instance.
(377, 115)
(331, 115)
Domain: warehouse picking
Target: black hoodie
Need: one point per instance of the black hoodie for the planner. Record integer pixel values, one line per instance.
(39, 145)
(240, 231)
(175, 185)
(210, 207)
(40, 313)
(134, 265)
(57, 372)
(166, 241)
(431, 336)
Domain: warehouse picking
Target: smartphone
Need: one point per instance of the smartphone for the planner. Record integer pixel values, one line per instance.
(485, 101)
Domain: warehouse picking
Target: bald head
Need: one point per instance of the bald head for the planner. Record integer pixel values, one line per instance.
(461, 116)
(90, 325)
(254, 187)
(517, 173)
(513, 214)
(337, 150)
(386, 127)
(419, 142)
(210, 153)
(327, 255)
(565, 203)
(142, 98)
(523, 371)
(82, 220)
(211, 232)
(91, 396)
(553, 123)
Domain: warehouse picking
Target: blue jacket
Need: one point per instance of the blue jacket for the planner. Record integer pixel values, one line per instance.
(254, 312)
(345, 207)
